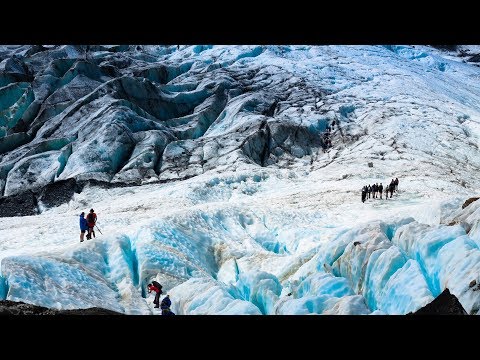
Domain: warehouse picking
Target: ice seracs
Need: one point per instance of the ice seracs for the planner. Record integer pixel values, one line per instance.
(242, 209)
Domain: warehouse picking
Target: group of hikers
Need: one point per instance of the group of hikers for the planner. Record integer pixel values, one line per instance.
(165, 305)
(376, 190)
(327, 141)
(87, 224)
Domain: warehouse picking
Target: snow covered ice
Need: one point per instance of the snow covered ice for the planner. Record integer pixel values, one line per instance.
(241, 208)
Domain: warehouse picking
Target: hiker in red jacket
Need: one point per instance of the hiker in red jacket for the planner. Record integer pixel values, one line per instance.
(91, 220)
(155, 286)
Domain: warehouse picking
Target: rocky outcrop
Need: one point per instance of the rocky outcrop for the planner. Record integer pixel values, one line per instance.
(8, 307)
(444, 304)
(32, 202)
(469, 201)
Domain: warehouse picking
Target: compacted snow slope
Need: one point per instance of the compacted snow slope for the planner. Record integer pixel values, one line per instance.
(242, 208)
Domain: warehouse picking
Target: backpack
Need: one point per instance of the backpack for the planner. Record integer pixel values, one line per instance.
(167, 312)
(157, 285)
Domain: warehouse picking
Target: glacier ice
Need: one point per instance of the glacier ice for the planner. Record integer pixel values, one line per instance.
(242, 209)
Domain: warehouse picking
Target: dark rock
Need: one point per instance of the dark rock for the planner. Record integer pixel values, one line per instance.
(54, 194)
(444, 304)
(59, 192)
(475, 58)
(472, 283)
(8, 307)
(23, 204)
(356, 243)
(469, 201)
(447, 47)
(370, 164)
(89, 311)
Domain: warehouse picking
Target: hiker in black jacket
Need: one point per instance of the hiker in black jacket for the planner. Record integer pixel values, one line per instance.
(392, 187)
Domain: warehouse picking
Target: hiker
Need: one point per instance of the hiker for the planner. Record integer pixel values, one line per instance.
(392, 187)
(374, 191)
(165, 306)
(91, 220)
(380, 190)
(364, 193)
(386, 192)
(396, 184)
(369, 191)
(155, 286)
(83, 226)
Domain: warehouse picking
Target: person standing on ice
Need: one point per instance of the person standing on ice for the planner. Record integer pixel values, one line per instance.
(386, 192)
(155, 286)
(396, 184)
(369, 190)
(91, 220)
(83, 226)
(392, 187)
(364, 193)
(380, 190)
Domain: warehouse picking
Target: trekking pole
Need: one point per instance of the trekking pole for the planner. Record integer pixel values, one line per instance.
(98, 229)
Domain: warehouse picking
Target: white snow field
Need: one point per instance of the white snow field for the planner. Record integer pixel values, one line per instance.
(291, 236)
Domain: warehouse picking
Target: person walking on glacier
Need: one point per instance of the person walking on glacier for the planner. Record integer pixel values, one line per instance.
(155, 286)
(364, 193)
(83, 226)
(392, 187)
(91, 220)
(380, 190)
(396, 184)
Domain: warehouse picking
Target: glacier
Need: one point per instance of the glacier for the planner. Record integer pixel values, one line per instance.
(209, 172)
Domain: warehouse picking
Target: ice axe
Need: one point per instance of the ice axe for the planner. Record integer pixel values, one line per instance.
(98, 229)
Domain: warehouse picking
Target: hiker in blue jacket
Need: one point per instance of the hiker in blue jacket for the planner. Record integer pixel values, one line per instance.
(165, 306)
(83, 226)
